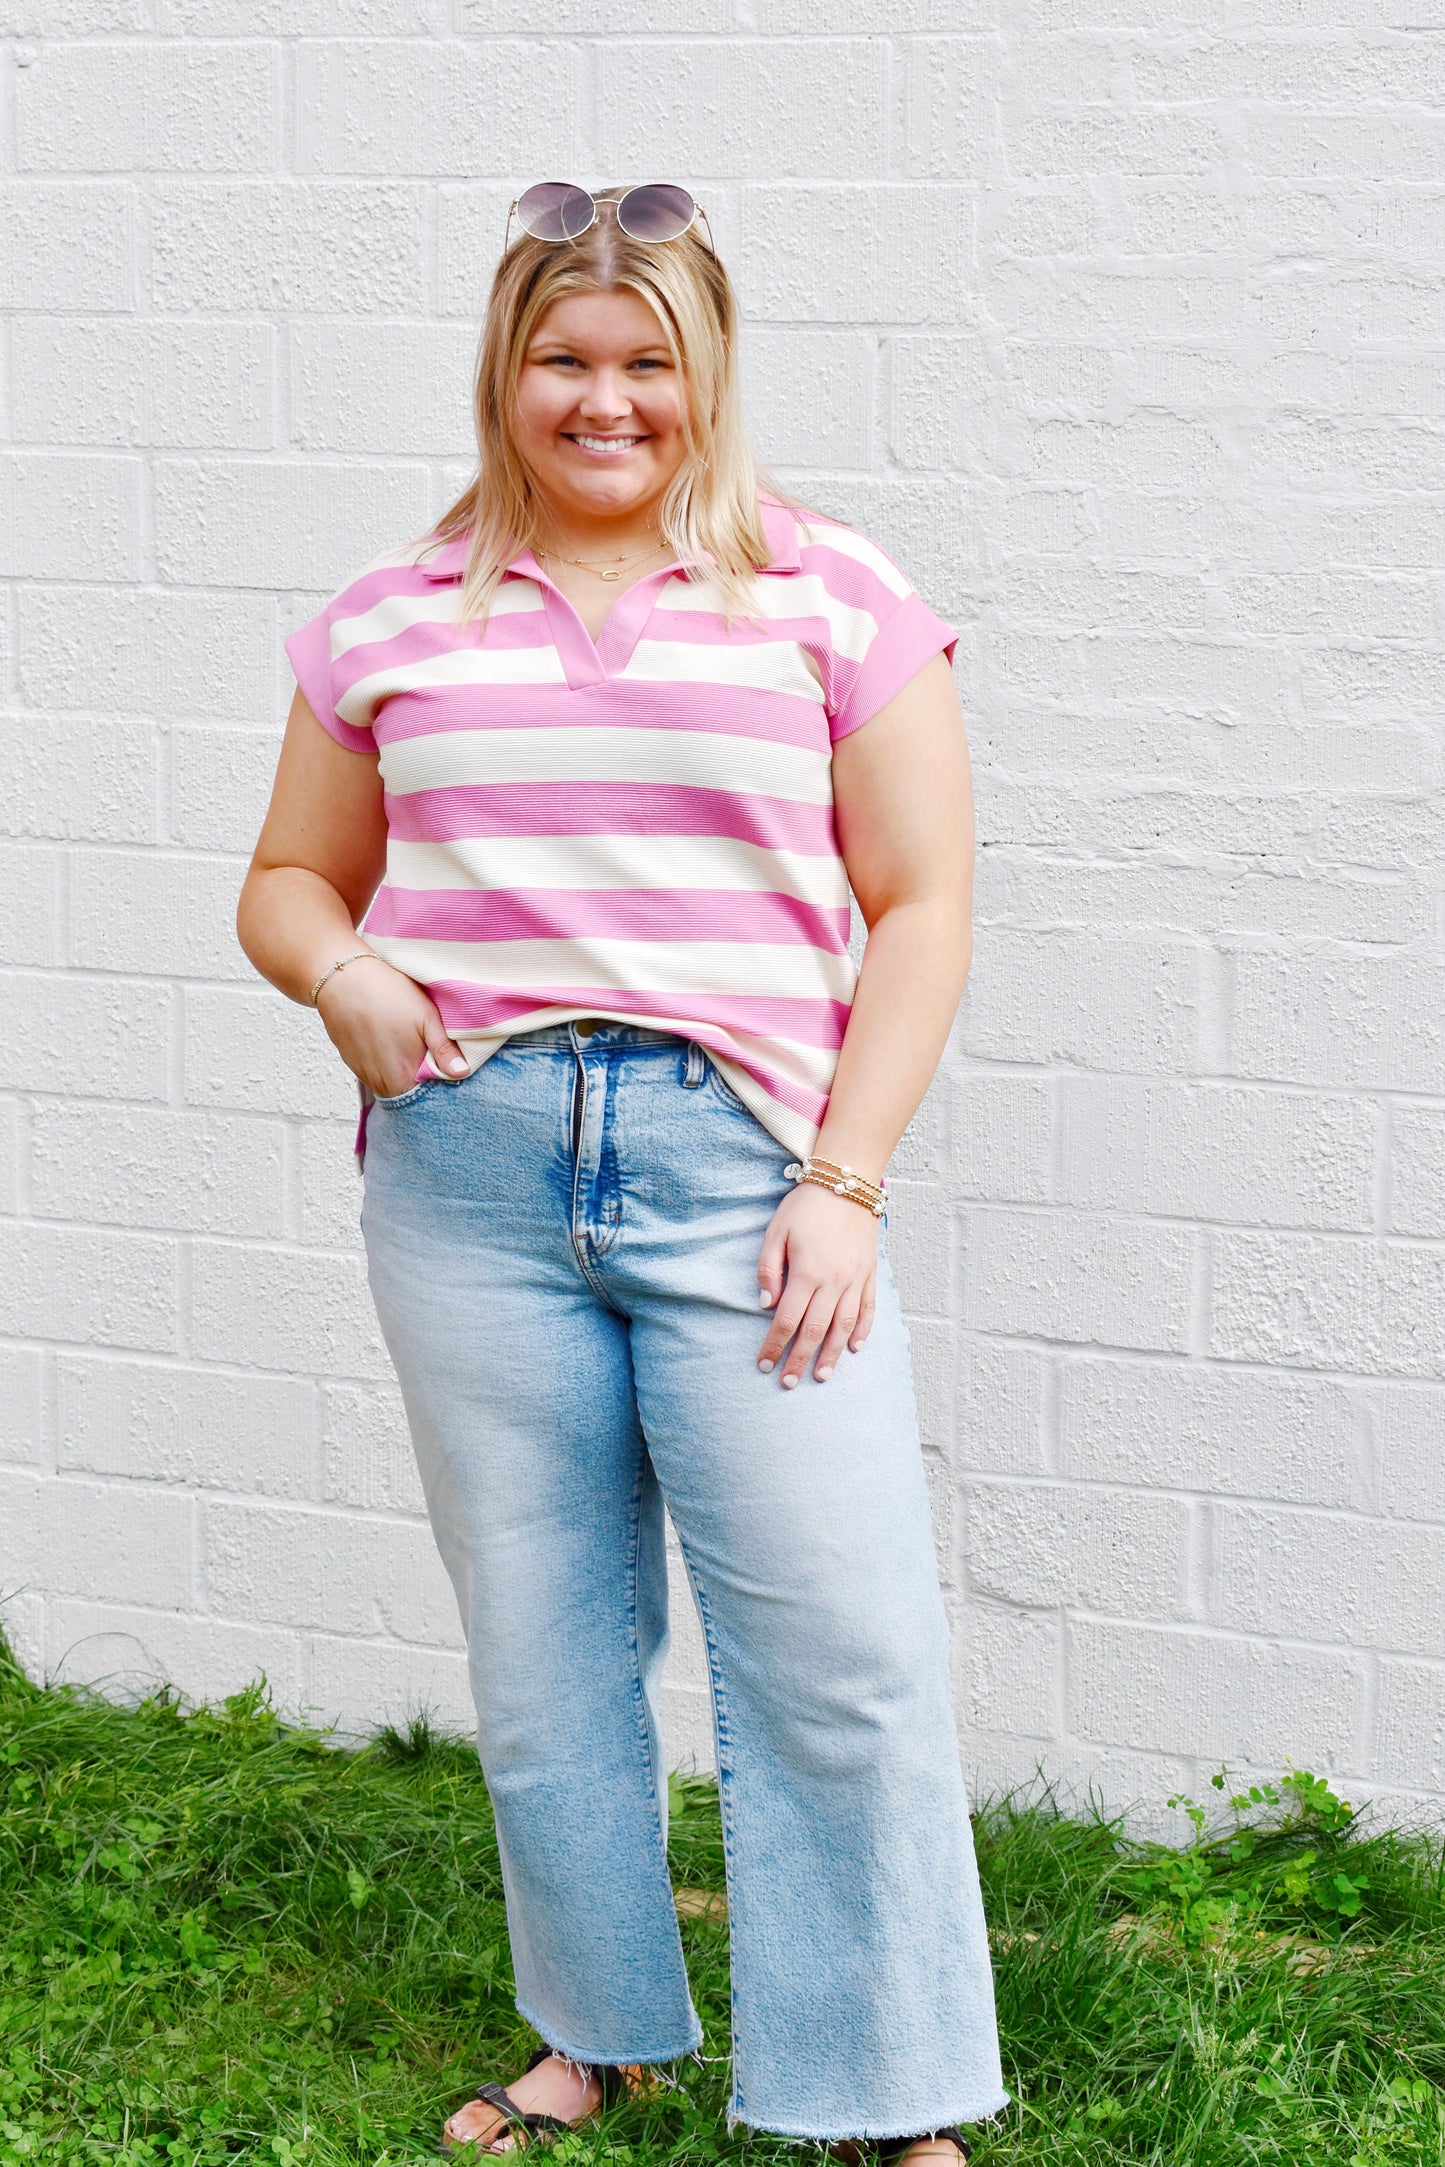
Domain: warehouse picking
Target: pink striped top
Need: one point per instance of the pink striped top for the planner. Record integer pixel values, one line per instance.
(640, 828)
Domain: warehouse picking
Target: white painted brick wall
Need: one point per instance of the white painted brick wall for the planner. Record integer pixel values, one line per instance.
(1122, 325)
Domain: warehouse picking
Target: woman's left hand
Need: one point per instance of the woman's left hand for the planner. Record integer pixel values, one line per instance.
(817, 1272)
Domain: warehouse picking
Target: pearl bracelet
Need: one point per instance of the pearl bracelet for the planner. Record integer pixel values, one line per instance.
(842, 1180)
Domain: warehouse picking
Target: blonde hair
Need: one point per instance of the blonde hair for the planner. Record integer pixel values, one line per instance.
(709, 514)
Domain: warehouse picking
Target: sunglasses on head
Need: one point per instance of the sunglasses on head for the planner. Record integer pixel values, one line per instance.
(562, 211)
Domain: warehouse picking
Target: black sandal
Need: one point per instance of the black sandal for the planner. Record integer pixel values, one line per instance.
(530, 2127)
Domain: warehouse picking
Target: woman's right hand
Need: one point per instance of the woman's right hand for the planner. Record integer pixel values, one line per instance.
(381, 1022)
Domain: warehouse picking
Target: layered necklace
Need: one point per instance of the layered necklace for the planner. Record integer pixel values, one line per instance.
(598, 570)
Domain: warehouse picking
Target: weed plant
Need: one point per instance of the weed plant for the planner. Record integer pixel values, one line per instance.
(228, 1940)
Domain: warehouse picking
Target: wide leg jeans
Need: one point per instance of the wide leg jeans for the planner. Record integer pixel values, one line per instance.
(563, 1251)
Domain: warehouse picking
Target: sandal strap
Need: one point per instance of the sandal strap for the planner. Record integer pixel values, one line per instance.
(495, 2095)
(616, 2081)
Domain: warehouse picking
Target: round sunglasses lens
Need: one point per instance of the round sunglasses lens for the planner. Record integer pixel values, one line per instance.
(656, 212)
(555, 211)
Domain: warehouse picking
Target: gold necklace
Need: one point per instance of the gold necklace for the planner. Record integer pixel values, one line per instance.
(596, 570)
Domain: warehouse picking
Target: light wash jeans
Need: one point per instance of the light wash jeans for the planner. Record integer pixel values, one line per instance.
(563, 1249)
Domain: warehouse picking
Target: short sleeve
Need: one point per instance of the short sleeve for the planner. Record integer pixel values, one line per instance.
(881, 631)
(315, 653)
(339, 651)
(907, 638)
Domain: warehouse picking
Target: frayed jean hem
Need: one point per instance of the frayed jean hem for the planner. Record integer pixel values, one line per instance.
(610, 2061)
(975, 2111)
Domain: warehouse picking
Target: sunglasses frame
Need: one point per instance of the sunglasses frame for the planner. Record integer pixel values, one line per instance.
(618, 200)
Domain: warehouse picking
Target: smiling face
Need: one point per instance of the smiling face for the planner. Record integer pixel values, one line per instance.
(598, 418)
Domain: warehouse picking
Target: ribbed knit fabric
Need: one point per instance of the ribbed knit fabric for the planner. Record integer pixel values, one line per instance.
(639, 828)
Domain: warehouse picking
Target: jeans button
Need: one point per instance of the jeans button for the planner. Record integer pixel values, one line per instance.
(586, 1025)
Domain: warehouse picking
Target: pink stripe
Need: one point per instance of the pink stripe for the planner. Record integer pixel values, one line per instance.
(849, 581)
(565, 914)
(810, 629)
(473, 810)
(820, 1022)
(786, 718)
(369, 588)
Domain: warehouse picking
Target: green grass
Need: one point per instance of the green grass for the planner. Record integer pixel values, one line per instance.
(227, 1939)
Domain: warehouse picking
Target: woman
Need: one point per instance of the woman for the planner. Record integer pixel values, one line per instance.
(599, 758)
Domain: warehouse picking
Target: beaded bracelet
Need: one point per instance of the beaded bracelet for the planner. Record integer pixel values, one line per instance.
(842, 1180)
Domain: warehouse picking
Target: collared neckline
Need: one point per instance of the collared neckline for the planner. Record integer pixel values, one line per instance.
(779, 527)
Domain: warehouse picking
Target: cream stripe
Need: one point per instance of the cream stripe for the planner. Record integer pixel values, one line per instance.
(616, 861)
(766, 666)
(397, 613)
(392, 615)
(465, 666)
(688, 968)
(702, 759)
(862, 551)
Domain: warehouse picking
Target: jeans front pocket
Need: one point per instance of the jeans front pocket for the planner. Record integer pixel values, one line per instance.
(403, 1098)
(724, 1091)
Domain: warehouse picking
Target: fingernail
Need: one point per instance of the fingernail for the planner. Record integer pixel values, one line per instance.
(765, 1366)
(457, 1065)
(788, 1383)
(765, 1300)
(824, 1375)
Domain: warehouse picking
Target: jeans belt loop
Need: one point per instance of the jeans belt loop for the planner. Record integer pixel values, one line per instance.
(696, 1065)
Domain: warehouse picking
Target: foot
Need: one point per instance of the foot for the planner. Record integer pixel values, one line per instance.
(946, 2149)
(555, 2087)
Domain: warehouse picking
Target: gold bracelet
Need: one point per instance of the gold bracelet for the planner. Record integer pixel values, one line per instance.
(831, 1169)
(839, 1188)
(360, 957)
(842, 1180)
